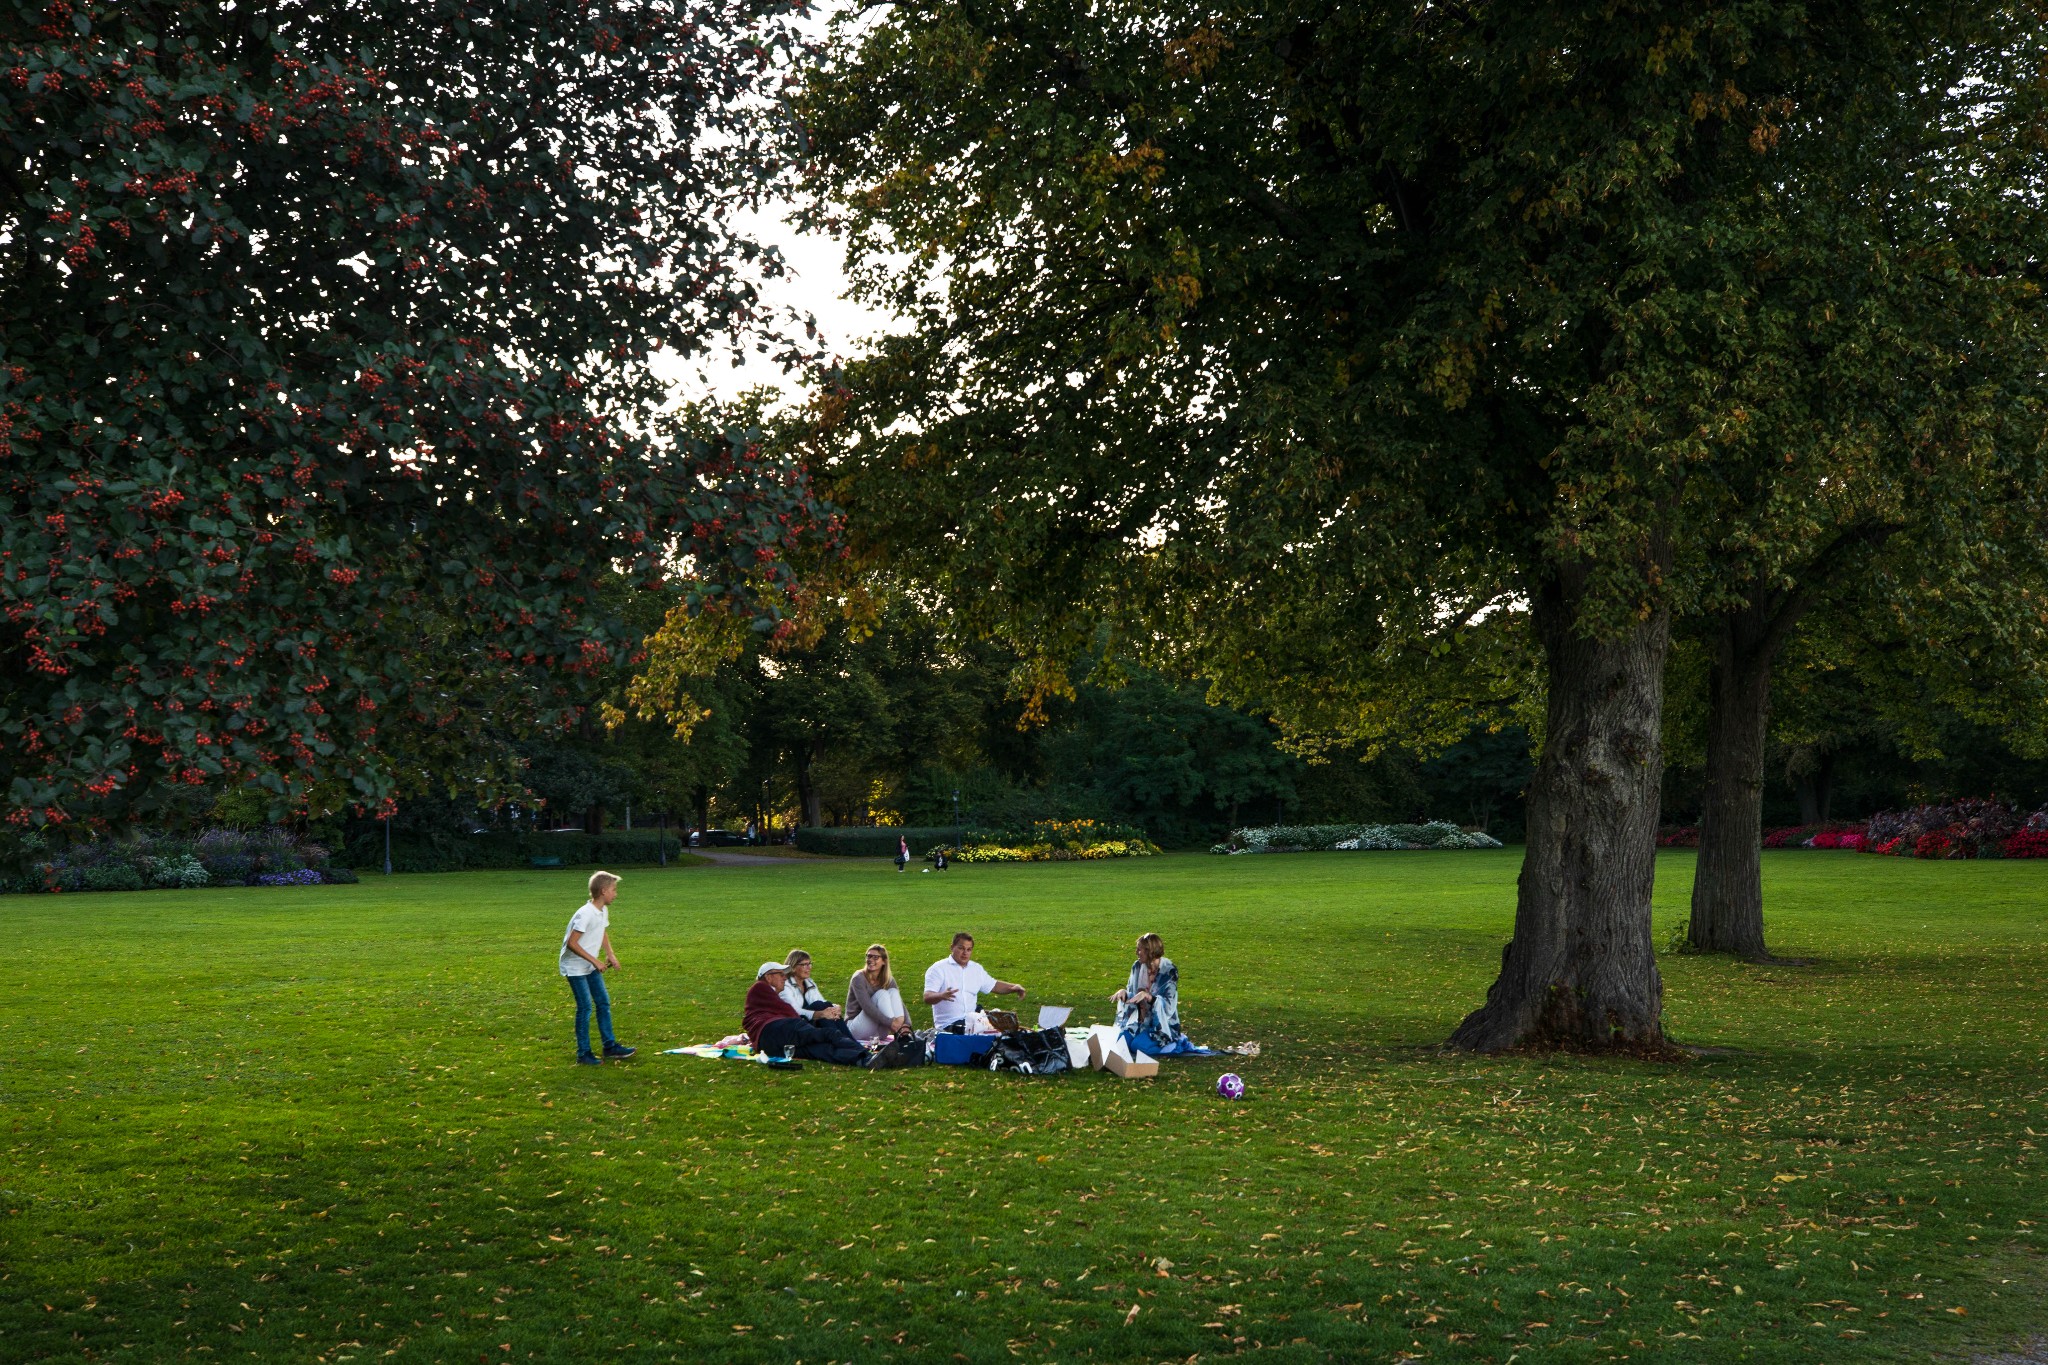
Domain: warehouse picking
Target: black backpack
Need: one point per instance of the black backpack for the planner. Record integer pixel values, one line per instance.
(905, 1049)
(1035, 1052)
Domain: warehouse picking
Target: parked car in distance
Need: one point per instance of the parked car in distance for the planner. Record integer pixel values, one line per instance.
(716, 838)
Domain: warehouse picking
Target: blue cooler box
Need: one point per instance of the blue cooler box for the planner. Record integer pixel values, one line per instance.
(959, 1049)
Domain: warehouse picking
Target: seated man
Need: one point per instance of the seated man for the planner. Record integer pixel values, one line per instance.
(775, 1028)
(952, 984)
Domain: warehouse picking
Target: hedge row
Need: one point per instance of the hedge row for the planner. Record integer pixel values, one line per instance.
(873, 841)
(510, 849)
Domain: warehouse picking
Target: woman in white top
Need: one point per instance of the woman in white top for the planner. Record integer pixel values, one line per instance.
(874, 1005)
(805, 998)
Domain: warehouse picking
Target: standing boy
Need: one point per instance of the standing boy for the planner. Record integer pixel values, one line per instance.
(586, 954)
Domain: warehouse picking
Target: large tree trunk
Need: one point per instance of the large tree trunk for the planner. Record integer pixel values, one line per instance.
(702, 807)
(1727, 884)
(1581, 970)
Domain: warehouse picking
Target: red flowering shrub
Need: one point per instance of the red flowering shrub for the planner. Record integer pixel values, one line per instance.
(1941, 843)
(2028, 843)
(1889, 848)
(1853, 839)
(1679, 836)
(325, 403)
(1967, 829)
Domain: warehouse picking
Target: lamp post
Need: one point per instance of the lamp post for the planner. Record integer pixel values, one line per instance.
(761, 825)
(661, 839)
(959, 835)
(387, 843)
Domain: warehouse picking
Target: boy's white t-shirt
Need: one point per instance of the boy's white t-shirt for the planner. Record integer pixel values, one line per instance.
(591, 923)
(967, 983)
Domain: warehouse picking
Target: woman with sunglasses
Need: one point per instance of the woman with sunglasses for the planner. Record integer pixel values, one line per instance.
(874, 1005)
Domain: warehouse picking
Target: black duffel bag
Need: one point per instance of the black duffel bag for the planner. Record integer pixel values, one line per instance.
(1038, 1052)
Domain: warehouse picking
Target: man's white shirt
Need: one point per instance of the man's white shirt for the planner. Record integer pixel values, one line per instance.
(967, 983)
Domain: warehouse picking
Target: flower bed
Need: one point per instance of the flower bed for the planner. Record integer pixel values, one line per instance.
(1834, 834)
(1436, 834)
(143, 862)
(1959, 829)
(2028, 843)
(1054, 853)
(1055, 841)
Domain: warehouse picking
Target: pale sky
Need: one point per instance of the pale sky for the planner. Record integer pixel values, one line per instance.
(816, 285)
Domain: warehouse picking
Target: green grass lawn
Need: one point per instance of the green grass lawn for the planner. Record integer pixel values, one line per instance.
(344, 1122)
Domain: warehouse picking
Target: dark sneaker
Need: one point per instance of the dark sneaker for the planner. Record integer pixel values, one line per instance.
(586, 1059)
(619, 1050)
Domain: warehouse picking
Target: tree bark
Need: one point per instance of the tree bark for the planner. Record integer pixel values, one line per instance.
(1581, 973)
(1727, 885)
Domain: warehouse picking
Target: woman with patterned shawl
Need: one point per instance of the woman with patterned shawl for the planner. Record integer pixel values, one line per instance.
(1148, 1007)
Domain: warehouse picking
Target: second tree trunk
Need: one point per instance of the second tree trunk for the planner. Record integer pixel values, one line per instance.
(1727, 887)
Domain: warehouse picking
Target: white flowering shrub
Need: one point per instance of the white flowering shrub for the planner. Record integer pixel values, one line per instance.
(1437, 834)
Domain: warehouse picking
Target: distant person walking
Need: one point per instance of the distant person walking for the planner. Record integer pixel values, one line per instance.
(902, 853)
(586, 956)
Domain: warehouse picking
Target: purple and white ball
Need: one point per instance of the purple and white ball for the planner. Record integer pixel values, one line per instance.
(1230, 1086)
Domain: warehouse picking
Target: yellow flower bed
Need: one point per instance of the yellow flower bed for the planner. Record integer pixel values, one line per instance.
(1055, 853)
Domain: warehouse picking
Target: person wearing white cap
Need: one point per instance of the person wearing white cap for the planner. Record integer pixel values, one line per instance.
(774, 1026)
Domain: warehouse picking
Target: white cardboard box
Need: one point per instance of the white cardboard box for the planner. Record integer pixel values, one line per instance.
(1107, 1051)
(1122, 1063)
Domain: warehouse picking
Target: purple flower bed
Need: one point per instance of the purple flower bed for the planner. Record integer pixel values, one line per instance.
(138, 860)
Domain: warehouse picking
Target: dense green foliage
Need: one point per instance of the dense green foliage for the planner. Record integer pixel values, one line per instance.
(310, 460)
(872, 841)
(883, 720)
(346, 1121)
(1302, 338)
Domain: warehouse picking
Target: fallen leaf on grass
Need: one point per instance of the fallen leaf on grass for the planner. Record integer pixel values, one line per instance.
(1131, 1316)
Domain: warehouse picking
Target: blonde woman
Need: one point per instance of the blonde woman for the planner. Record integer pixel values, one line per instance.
(874, 1005)
(1148, 1007)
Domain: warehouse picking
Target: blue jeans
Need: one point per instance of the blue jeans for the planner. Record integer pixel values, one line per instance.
(591, 994)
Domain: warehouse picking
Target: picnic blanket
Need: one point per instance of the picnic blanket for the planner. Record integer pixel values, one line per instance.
(739, 1052)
